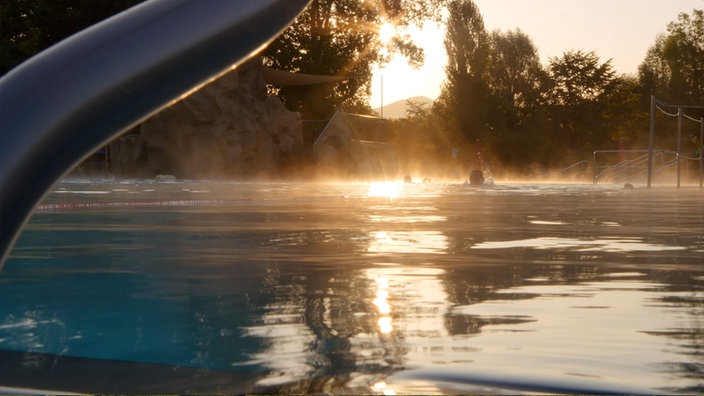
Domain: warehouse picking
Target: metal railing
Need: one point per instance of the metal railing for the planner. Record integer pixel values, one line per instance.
(577, 168)
(632, 169)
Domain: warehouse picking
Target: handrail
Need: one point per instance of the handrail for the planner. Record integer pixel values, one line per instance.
(628, 166)
(59, 106)
(576, 164)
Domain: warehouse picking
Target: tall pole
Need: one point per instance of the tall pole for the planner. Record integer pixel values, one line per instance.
(650, 139)
(382, 91)
(701, 151)
(679, 144)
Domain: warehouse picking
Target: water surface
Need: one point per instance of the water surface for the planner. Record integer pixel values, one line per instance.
(357, 287)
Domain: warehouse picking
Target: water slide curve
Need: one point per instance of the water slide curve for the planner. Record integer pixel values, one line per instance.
(62, 104)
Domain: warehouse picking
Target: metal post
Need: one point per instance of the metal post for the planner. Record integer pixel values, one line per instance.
(679, 145)
(701, 151)
(650, 139)
(382, 93)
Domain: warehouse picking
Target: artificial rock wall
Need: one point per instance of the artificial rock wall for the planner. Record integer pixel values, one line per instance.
(228, 128)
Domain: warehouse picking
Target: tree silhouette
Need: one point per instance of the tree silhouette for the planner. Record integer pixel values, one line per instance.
(465, 92)
(30, 26)
(673, 69)
(343, 38)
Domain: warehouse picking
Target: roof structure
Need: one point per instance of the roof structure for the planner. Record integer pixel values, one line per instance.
(284, 78)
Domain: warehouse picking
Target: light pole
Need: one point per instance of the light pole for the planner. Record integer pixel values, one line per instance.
(381, 75)
(701, 151)
(650, 139)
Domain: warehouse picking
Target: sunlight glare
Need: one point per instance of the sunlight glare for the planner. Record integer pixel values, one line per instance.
(382, 387)
(434, 242)
(387, 31)
(390, 190)
(382, 304)
(385, 325)
(382, 295)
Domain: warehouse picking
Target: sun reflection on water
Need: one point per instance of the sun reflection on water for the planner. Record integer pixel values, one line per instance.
(408, 242)
(383, 388)
(634, 244)
(385, 325)
(389, 190)
(382, 304)
(382, 295)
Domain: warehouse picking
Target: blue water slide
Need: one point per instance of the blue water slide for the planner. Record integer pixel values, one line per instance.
(61, 105)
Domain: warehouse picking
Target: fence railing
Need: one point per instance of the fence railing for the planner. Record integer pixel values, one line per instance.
(632, 169)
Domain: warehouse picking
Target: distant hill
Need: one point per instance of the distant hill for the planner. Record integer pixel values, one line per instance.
(397, 109)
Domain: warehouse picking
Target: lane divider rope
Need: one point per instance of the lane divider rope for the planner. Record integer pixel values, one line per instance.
(189, 202)
(49, 207)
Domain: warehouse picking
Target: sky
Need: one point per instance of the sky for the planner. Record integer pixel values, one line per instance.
(620, 30)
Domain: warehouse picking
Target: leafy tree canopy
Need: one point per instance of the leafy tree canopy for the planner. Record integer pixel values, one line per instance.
(673, 69)
(579, 77)
(516, 76)
(346, 38)
(466, 42)
(498, 91)
(30, 26)
(464, 98)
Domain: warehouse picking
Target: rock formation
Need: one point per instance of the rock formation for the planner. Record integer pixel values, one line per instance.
(228, 128)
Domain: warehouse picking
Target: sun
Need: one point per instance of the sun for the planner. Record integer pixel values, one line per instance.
(387, 31)
(400, 80)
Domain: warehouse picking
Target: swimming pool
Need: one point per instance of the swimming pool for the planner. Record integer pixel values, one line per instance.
(191, 286)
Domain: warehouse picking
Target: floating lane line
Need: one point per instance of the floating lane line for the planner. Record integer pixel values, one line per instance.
(48, 207)
(185, 202)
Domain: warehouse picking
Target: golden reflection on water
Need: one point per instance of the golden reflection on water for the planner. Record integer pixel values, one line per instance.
(390, 190)
(385, 325)
(634, 244)
(382, 305)
(382, 295)
(421, 298)
(407, 242)
(396, 217)
(289, 337)
(382, 387)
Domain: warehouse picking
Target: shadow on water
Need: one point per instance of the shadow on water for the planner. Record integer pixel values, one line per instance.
(321, 288)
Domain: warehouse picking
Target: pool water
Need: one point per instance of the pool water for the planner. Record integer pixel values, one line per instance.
(190, 286)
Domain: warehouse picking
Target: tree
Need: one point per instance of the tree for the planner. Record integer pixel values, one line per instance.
(516, 86)
(577, 99)
(30, 26)
(516, 76)
(623, 114)
(673, 69)
(578, 77)
(465, 94)
(344, 38)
